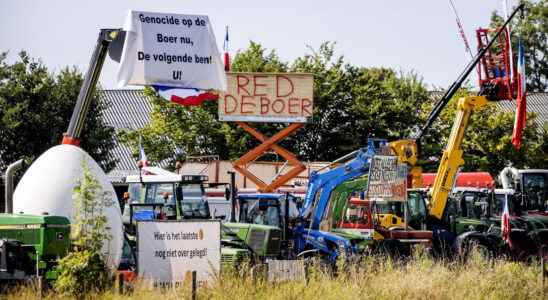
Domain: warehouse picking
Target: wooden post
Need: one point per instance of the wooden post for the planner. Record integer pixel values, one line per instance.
(120, 283)
(194, 287)
(41, 286)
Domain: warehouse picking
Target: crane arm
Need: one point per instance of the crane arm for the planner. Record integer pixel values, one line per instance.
(452, 160)
(106, 36)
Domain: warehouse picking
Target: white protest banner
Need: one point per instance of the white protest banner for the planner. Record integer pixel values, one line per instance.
(387, 179)
(267, 97)
(169, 251)
(170, 50)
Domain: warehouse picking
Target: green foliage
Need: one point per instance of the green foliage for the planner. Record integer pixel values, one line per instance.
(487, 143)
(533, 29)
(84, 270)
(35, 109)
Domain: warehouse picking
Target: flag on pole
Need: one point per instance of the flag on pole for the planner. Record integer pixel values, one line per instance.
(508, 33)
(461, 30)
(505, 223)
(225, 49)
(142, 155)
(184, 96)
(521, 109)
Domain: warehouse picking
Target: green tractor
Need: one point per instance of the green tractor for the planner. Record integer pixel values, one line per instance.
(480, 210)
(258, 230)
(31, 246)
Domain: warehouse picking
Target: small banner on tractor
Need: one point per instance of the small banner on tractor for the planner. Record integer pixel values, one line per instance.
(387, 179)
(267, 97)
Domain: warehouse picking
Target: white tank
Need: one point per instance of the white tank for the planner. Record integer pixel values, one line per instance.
(48, 185)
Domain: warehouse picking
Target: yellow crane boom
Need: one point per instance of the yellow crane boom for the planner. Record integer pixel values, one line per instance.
(452, 160)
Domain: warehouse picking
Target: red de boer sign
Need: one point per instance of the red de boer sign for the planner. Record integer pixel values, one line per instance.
(267, 97)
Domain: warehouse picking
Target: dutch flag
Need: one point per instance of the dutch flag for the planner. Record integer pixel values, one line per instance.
(143, 161)
(225, 49)
(521, 109)
(505, 223)
(185, 96)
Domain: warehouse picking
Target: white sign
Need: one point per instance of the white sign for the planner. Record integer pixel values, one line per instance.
(267, 97)
(169, 251)
(387, 179)
(171, 50)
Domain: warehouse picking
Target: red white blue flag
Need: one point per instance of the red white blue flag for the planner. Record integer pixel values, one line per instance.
(185, 96)
(521, 109)
(225, 49)
(143, 161)
(505, 223)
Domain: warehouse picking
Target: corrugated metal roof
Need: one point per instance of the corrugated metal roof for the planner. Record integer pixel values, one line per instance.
(126, 110)
(536, 102)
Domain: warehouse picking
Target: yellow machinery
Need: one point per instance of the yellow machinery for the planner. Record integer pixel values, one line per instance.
(452, 156)
(406, 150)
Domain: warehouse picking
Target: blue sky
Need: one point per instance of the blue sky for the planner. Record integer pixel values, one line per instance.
(405, 35)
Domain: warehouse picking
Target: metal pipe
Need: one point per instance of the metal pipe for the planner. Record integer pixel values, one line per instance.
(233, 192)
(10, 171)
(90, 80)
(508, 176)
(343, 158)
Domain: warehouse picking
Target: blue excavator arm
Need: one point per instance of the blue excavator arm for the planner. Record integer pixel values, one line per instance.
(321, 185)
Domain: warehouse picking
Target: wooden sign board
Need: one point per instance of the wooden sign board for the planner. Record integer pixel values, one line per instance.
(267, 97)
(387, 179)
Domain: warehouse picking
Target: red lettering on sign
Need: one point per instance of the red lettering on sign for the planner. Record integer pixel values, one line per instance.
(244, 103)
(281, 101)
(226, 106)
(257, 84)
(278, 77)
(240, 85)
(293, 102)
(305, 107)
(265, 102)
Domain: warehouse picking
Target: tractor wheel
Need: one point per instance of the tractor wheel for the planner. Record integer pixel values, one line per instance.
(483, 248)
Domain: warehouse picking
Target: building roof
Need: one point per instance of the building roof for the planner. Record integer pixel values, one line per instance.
(536, 102)
(126, 110)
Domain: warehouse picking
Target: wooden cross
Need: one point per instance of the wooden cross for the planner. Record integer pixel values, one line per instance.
(269, 143)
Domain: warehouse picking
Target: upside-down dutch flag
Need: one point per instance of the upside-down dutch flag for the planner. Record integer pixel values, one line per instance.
(521, 109)
(185, 96)
(225, 49)
(505, 223)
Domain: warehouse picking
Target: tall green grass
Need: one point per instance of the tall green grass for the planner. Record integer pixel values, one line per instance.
(372, 278)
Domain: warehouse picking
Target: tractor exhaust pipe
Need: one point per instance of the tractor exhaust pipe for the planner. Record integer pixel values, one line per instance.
(10, 171)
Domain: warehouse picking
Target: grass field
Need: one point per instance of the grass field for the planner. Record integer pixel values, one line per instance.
(374, 278)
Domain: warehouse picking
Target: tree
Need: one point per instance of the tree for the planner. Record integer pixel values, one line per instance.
(533, 29)
(353, 103)
(35, 109)
(84, 269)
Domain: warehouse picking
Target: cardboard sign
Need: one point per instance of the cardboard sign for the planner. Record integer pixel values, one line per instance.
(267, 97)
(387, 179)
(169, 251)
(171, 50)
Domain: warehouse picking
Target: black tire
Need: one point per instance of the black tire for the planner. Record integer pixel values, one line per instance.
(483, 247)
